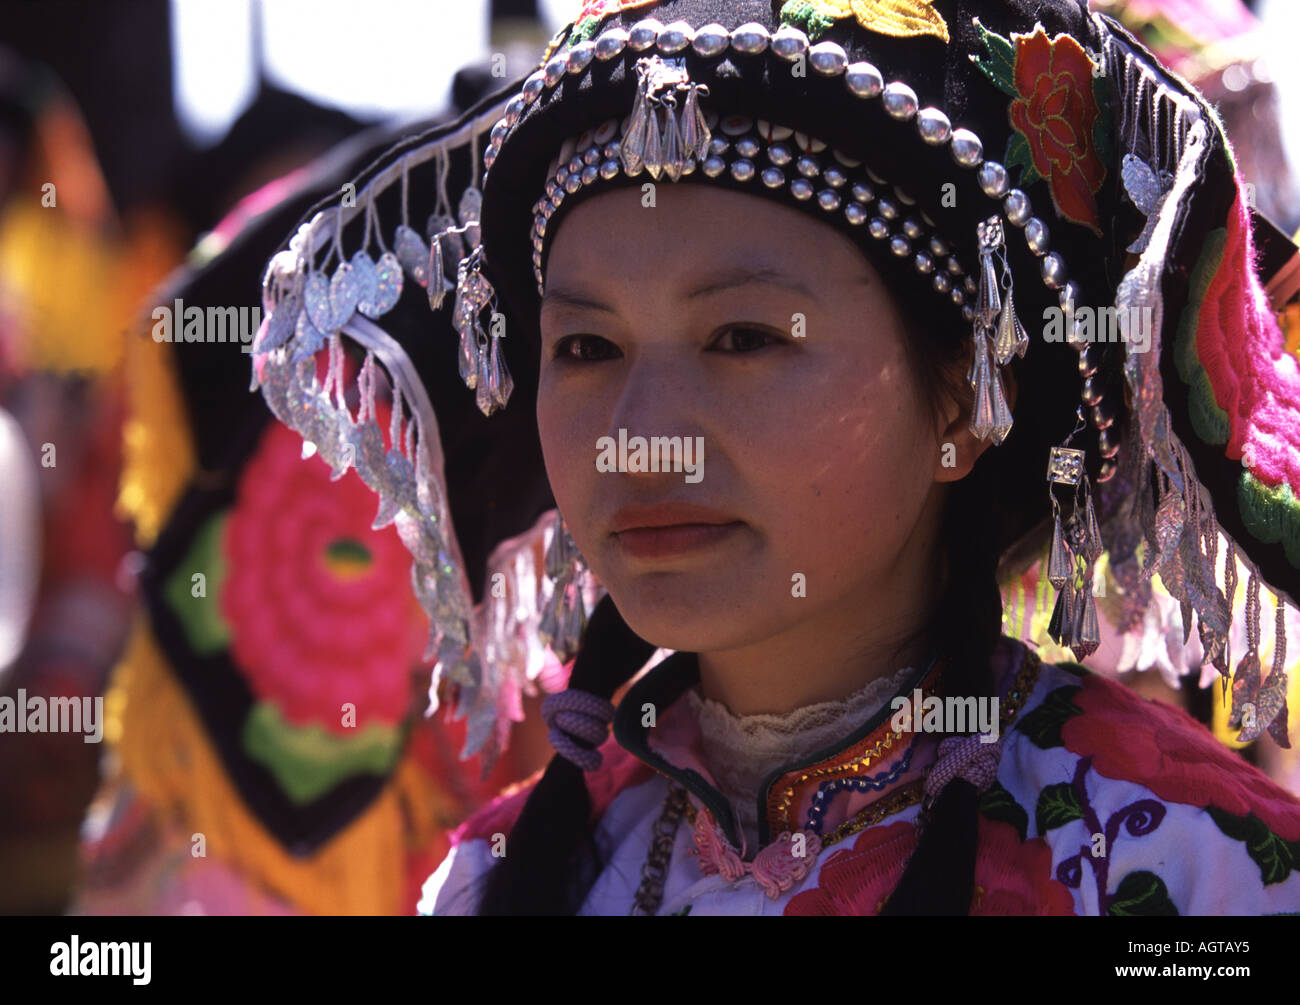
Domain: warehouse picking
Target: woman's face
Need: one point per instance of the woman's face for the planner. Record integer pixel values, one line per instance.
(762, 335)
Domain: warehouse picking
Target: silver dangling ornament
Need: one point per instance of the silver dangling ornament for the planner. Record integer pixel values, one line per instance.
(479, 360)
(564, 614)
(996, 332)
(1075, 549)
(683, 138)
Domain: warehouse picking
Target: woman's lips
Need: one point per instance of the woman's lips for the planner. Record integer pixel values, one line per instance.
(677, 539)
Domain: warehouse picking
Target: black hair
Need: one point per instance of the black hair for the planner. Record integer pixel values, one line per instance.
(553, 861)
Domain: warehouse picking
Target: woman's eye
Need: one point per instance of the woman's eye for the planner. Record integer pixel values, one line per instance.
(585, 348)
(744, 339)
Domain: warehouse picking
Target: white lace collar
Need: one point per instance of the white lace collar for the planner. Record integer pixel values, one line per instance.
(741, 751)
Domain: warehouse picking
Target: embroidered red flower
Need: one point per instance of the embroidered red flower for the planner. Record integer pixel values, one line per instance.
(859, 880)
(1011, 877)
(1167, 751)
(1014, 877)
(313, 595)
(1056, 114)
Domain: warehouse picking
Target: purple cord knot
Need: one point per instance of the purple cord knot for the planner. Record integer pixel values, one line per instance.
(963, 757)
(578, 715)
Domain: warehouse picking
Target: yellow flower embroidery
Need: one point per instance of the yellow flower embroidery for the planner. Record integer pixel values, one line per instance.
(899, 18)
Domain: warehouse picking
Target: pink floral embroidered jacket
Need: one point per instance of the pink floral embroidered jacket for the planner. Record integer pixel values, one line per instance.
(1104, 803)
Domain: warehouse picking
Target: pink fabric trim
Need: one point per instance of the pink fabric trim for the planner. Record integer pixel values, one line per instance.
(619, 770)
(1255, 380)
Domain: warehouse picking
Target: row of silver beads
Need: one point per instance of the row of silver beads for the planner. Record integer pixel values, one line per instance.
(863, 80)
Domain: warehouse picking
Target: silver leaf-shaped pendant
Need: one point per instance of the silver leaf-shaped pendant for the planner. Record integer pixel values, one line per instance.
(1277, 728)
(344, 293)
(280, 325)
(1146, 190)
(1141, 183)
(413, 253)
(367, 280)
(388, 284)
(470, 209)
(1170, 517)
(308, 339)
(436, 224)
(316, 297)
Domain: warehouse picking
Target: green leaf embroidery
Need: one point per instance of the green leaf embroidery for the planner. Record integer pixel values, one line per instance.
(1019, 155)
(1058, 805)
(999, 804)
(1275, 856)
(1043, 724)
(1141, 894)
(200, 616)
(999, 63)
(805, 15)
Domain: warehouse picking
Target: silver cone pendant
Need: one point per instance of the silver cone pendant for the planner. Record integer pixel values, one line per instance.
(983, 418)
(500, 383)
(1001, 411)
(573, 622)
(632, 149)
(1093, 549)
(1060, 562)
(482, 391)
(548, 629)
(989, 300)
(1060, 628)
(437, 276)
(467, 358)
(557, 552)
(1011, 338)
(695, 129)
(671, 153)
(978, 362)
(653, 151)
(1087, 632)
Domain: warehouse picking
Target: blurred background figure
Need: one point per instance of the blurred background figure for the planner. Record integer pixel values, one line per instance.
(230, 782)
(71, 269)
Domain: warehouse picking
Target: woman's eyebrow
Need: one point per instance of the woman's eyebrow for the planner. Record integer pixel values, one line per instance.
(556, 296)
(717, 282)
(743, 275)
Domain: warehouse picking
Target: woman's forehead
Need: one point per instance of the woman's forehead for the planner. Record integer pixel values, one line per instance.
(699, 239)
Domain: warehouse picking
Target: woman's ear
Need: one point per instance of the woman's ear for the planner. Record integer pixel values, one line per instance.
(959, 448)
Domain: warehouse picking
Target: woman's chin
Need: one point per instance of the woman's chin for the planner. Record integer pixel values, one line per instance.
(688, 620)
